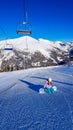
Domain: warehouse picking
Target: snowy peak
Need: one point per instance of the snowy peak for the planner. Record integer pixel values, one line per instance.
(33, 44)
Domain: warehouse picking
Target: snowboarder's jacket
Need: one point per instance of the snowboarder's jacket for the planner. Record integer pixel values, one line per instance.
(48, 84)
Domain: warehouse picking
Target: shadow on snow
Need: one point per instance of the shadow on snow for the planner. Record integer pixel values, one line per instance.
(31, 85)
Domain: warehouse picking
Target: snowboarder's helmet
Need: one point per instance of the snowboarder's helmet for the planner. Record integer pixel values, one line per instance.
(50, 79)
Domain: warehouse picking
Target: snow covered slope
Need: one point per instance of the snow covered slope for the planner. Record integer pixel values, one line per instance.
(23, 108)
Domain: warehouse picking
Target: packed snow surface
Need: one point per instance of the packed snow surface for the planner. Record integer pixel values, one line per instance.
(23, 108)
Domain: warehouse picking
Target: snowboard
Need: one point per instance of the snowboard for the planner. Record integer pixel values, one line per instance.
(52, 90)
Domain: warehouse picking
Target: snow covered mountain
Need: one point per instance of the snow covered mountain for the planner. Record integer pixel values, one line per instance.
(27, 52)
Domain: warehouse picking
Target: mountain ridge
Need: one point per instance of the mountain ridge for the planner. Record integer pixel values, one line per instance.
(28, 52)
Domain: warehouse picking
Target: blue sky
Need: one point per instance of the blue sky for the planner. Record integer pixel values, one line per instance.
(50, 19)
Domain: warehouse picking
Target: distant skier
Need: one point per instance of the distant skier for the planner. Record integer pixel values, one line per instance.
(48, 86)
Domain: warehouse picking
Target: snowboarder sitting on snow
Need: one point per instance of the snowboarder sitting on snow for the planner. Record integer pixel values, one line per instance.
(48, 86)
